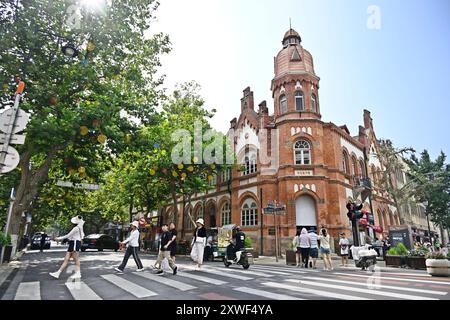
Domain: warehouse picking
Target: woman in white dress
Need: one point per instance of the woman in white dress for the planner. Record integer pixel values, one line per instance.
(198, 243)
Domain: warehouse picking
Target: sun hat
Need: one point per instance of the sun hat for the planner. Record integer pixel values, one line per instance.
(201, 221)
(76, 220)
(135, 223)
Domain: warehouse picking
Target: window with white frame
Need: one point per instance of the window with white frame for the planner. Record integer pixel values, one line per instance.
(187, 220)
(283, 104)
(250, 164)
(299, 106)
(226, 213)
(313, 103)
(249, 213)
(345, 162)
(212, 182)
(200, 213)
(225, 175)
(354, 167)
(302, 151)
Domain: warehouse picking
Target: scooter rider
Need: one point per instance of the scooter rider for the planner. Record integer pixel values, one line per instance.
(239, 237)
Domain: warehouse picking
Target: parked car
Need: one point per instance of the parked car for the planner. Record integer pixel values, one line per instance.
(99, 242)
(36, 241)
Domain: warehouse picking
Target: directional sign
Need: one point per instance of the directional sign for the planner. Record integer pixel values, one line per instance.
(12, 159)
(15, 139)
(87, 186)
(20, 123)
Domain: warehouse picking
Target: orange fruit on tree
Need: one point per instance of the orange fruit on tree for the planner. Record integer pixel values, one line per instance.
(101, 138)
(84, 130)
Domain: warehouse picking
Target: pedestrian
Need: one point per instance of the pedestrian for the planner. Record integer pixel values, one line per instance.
(75, 237)
(297, 249)
(314, 250)
(208, 248)
(164, 250)
(132, 249)
(324, 238)
(173, 244)
(198, 243)
(305, 245)
(43, 241)
(344, 245)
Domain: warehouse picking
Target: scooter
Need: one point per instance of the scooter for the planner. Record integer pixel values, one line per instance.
(231, 257)
(364, 257)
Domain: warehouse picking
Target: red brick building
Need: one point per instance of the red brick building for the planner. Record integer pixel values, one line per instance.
(314, 168)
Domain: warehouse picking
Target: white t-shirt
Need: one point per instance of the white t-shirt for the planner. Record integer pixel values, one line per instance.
(344, 244)
(324, 241)
(133, 239)
(76, 234)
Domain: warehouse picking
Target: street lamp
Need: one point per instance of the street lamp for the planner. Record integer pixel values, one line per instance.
(428, 222)
(69, 50)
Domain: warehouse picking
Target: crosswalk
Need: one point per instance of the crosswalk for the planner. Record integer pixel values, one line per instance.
(260, 281)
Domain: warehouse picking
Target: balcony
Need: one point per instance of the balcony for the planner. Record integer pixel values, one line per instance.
(362, 186)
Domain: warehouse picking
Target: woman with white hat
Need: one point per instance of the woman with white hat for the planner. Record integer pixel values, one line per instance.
(132, 249)
(199, 242)
(75, 237)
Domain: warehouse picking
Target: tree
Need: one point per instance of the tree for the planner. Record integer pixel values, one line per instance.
(431, 185)
(79, 105)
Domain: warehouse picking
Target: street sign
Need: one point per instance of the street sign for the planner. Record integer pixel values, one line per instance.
(87, 186)
(15, 139)
(11, 161)
(20, 124)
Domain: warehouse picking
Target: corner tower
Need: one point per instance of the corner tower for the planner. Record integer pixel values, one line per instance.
(295, 87)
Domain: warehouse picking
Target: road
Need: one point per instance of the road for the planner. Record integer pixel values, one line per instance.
(216, 282)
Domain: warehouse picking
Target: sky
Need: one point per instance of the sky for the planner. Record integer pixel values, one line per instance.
(399, 71)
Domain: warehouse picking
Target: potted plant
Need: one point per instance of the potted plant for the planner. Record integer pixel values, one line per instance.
(291, 258)
(396, 256)
(437, 264)
(5, 242)
(416, 259)
(248, 243)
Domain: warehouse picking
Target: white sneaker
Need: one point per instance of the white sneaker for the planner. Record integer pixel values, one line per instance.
(55, 274)
(140, 270)
(118, 270)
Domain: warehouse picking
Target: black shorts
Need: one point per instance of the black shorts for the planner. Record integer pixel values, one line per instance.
(173, 251)
(74, 245)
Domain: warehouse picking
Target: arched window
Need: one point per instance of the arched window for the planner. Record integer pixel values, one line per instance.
(200, 213)
(283, 104)
(225, 175)
(362, 169)
(249, 213)
(226, 214)
(299, 106)
(313, 102)
(354, 167)
(302, 151)
(250, 164)
(345, 162)
(187, 220)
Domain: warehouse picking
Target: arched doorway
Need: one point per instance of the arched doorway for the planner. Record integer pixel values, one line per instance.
(210, 215)
(305, 213)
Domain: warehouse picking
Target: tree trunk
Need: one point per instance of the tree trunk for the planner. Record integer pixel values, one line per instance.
(174, 199)
(27, 190)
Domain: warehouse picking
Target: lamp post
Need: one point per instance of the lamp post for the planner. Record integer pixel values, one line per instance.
(428, 222)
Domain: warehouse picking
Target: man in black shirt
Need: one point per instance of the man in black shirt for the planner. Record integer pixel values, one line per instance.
(164, 250)
(239, 242)
(173, 244)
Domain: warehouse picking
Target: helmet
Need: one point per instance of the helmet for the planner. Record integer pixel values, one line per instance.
(238, 228)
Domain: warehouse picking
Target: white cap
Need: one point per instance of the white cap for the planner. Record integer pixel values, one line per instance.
(135, 223)
(201, 221)
(76, 220)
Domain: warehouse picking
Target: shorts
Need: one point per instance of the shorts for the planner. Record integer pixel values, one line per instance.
(299, 250)
(314, 253)
(173, 251)
(74, 245)
(344, 254)
(325, 250)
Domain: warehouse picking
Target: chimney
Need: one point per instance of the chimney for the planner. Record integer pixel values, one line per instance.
(247, 100)
(263, 110)
(362, 135)
(233, 123)
(367, 120)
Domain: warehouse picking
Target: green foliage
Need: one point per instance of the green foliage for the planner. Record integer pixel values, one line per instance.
(400, 250)
(422, 252)
(5, 239)
(430, 184)
(248, 243)
(439, 255)
(392, 252)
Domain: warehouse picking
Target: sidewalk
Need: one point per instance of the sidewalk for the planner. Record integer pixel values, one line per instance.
(7, 268)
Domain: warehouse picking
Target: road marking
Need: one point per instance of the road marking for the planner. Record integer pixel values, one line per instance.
(408, 274)
(134, 289)
(166, 281)
(222, 274)
(285, 269)
(255, 273)
(442, 293)
(201, 278)
(266, 294)
(397, 279)
(28, 291)
(313, 291)
(361, 290)
(270, 271)
(81, 291)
